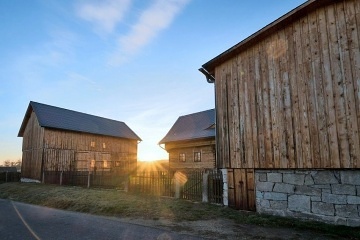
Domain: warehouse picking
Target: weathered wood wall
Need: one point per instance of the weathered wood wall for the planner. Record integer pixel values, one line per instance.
(32, 149)
(205, 147)
(57, 150)
(66, 151)
(292, 100)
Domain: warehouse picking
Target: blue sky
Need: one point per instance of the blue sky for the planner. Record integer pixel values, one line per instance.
(130, 60)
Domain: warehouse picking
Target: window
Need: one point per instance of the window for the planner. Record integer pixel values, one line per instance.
(182, 157)
(92, 144)
(104, 145)
(197, 157)
(92, 163)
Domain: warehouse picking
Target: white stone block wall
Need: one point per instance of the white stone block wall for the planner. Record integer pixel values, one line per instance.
(331, 196)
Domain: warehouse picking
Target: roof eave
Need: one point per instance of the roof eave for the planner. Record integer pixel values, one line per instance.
(136, 137)
(184, 140)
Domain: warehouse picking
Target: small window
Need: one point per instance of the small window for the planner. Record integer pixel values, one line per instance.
(92, 163)
(197, 157)
(92, 144)
(182, 157)
(104, 145)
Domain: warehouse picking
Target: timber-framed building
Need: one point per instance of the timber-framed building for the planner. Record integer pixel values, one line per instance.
(57, 139)
(288, 114)
(191, 141)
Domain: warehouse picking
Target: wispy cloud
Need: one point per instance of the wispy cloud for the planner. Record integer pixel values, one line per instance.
(151, 22)
(104, 14)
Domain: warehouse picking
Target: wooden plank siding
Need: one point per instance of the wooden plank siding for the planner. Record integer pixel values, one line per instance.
(46, 149)
(206, 148)
(292, 99)
(61, 147)
(32, 149)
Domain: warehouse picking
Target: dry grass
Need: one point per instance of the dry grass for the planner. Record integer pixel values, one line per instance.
(126, 205)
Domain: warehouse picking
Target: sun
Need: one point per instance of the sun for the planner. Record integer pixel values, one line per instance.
(151, 153)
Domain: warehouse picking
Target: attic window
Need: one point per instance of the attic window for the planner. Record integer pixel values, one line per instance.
(182, 157)
(92, 144)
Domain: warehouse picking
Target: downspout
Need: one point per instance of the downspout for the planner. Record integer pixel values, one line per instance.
(224, 171)
(161, 146)
(211, 79)
(167, 152)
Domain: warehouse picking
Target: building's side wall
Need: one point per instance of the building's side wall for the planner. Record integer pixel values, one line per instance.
(331, 196)
(32, 148)
(206, 148)
(293, 99)
(66, 151)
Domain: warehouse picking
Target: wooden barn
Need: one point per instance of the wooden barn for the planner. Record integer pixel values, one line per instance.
(58, 139)
(191, 141)
(288, 114)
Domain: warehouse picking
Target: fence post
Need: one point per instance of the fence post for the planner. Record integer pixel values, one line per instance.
(61, 177)
(205, 187)
(127, 182)
(177, 187)
(225, 187)
(88, 183)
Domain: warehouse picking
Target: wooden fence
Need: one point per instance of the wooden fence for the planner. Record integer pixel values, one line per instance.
(158, 183)
(86, 179)
(9, 177)
(197, 185)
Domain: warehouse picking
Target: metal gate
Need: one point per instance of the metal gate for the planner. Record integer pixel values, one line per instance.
(193, 187)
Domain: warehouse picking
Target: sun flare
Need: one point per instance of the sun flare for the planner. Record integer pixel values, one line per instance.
(151, 153)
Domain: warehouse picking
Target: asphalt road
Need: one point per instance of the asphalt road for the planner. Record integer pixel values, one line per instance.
(26, 221)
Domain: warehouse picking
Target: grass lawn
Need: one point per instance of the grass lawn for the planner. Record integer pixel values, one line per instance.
(121, 204)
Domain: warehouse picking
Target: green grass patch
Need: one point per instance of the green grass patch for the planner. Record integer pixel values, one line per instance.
(122, 204)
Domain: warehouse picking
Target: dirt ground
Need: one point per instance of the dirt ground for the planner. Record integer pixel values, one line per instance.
(227, 229)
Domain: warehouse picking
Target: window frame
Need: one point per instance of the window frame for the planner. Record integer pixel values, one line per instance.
(197, 156)
(182, 157)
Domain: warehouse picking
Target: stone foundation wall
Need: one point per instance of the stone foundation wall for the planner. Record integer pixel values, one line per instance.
(323, 195)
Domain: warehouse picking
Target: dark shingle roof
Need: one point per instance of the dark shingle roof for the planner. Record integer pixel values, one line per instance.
(192, 126)
(64, 119)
